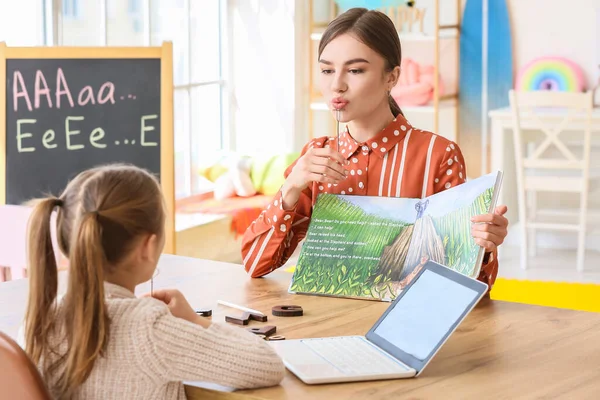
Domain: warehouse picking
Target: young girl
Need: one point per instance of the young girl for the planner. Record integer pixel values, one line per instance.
(100, 341)
(379, 154)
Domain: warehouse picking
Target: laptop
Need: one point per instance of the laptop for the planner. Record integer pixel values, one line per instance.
(401, 343)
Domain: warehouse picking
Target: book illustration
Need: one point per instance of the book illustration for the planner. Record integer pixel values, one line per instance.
(371, 247)
(415, 246)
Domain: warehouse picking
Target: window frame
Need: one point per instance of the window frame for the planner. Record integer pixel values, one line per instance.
(53, 37)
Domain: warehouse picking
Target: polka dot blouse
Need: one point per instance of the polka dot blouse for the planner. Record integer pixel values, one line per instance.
(400, 161)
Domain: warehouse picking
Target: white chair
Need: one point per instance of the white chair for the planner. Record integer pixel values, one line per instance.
(13, 242)
(551, 164)
(13, 235)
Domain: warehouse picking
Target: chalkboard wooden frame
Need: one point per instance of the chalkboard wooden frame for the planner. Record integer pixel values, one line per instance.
(167, 151)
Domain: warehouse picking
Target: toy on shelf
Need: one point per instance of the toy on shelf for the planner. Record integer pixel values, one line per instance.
(236, 180)
(242, 176)
(551, 73)
(415, 85)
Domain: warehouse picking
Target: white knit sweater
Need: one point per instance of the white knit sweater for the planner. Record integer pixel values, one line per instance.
(150, 352)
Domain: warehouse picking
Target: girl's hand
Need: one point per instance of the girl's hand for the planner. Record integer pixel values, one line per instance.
(178, 305)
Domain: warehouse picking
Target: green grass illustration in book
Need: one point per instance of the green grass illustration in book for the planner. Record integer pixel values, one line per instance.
(370, 247)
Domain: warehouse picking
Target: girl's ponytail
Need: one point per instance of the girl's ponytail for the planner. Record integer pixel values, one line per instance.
(87, 327)
(43, 279)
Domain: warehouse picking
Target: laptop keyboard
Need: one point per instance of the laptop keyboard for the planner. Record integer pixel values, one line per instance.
(354, 356)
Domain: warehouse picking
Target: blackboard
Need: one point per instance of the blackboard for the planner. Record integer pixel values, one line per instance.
(66, 116)
(64, 110)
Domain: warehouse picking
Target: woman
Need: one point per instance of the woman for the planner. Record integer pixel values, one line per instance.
(379, 154)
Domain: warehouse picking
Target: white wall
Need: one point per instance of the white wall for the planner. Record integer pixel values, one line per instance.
(554, 27)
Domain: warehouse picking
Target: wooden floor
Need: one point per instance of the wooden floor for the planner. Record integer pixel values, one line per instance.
(207, 237)
(557, 265)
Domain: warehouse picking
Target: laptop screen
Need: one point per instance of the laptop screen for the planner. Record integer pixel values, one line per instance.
(419, 321)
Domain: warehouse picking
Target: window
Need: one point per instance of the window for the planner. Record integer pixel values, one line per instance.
(80, 23)
(136, 14)
(196, 28)
(126, 24)
(70, 8)
(135, 7)
(265, 72)
(22, 23)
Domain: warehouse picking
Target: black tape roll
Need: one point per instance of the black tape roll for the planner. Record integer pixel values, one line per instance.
(287, 311)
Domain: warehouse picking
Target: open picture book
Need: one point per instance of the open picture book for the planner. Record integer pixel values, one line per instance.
(370, 247)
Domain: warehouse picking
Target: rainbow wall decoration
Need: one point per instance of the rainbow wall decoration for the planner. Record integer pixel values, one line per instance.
(551, 73)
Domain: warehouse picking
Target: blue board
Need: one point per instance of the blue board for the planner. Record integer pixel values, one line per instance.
(482, 90)
(345, 5)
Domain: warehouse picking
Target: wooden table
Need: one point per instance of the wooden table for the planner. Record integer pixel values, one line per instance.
(502, 350)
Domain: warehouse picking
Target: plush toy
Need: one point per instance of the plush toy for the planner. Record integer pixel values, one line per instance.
(267, 172)
(236, 181)
(243, 176)
(415, 85)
